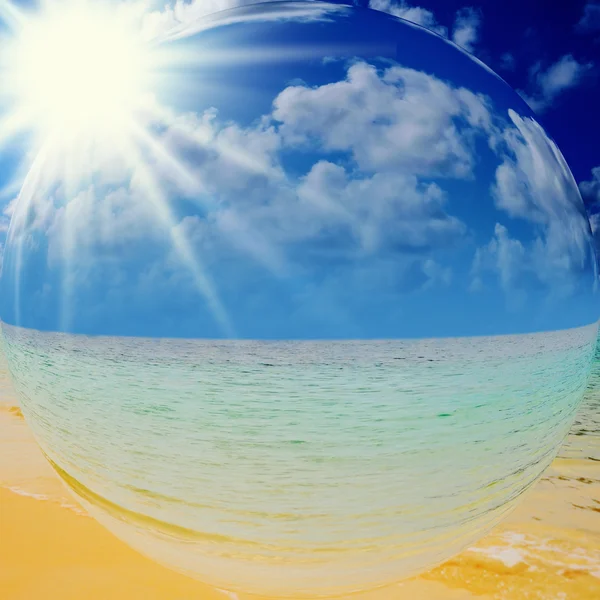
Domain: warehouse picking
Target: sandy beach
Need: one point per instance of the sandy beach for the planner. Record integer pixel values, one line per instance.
(548, 548)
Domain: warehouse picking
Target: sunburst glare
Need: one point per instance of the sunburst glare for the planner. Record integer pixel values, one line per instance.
(76, 71)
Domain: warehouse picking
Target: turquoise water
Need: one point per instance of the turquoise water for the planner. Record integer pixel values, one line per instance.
(295, 468)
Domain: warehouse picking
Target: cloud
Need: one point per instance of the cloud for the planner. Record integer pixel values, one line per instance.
(590, 20)
(399, 119)
(523, 268)
(173, 15)
(401, 215)
(9, 209)
(547, 85)
(178, 14)
(232, 158)
(181, 18)
(414, 14)
(590, 190)
(595, 227)
(507, 61)
(333, 221)
(509, 259)
(101, 223)
(533, 183)
(7, 212)
(465, 32)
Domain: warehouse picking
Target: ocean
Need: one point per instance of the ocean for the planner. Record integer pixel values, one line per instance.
(263, 466)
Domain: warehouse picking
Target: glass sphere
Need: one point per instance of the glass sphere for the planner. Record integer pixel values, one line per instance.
(316, 318)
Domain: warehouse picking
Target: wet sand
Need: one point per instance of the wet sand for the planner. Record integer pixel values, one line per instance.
(548, 548)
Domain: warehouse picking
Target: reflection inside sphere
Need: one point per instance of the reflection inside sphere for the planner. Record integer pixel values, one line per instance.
(317, 317)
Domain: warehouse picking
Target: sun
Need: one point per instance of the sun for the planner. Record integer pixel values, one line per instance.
(83, 79)
(77, 71)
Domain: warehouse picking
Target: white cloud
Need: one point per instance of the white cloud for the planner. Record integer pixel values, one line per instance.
(534, 183)
(400, 119)
(590, 20)
(595, 227)
(221, 157)
(548, 84)
(414, 14)
(99, 223)
(590, 190)
(508, 258)
(465, 32)
(181, 18)
(177, 14)
(388, 211)
(9, 209)
(7, 213)
(563, 74)
(524, 267)
(332, 217)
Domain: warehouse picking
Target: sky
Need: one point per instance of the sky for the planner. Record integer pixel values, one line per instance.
(315, 171)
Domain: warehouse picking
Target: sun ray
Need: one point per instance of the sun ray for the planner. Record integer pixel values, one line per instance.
(252, 241)
(180, 242)
(12, 16)
(183, 177)
(207, 57)
(70, 177)
(14, 123)
(234, 153)
(28, 190)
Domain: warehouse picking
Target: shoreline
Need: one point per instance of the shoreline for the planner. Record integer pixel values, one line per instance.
(548, 547)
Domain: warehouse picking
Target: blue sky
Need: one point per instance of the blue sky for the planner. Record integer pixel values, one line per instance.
(337, 175)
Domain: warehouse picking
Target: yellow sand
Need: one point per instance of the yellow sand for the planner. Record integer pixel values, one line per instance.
(548, 549)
